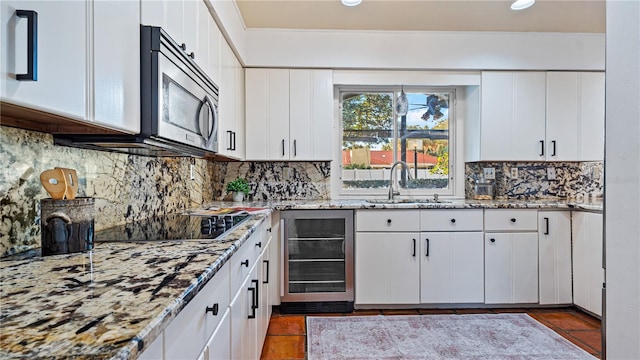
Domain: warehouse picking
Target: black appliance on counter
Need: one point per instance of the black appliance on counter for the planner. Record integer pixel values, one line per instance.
(173, 227)
(178, 105)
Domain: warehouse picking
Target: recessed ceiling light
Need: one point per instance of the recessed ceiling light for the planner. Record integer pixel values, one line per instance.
(522, 4)
(351, 2)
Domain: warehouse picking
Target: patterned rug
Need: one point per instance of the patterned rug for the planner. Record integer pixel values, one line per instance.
(477, 336)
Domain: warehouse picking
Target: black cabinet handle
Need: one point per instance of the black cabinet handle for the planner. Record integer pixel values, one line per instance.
(513, 220)
(256, 296)
(192, 55)
(427, 247)
(269, 229)
(546, 232)
(388, 221)
(234, 140)
(492, 240)
(553, 144)
(245, 263)
(453, 221)
(183, 46)
(213, 309)
(295, 148)
(259, 244)
(282, 147)
(230, 142)
(253, 303)
(541, 147)
(32, 45)
(414, 247)
(266, 280)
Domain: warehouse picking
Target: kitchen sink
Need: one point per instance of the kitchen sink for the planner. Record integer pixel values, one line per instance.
(407, 201)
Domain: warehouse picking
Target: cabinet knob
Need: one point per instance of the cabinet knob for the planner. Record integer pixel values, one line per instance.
(388, 221)
(245, 263)
(269, 229)
(513, 220)
(192, 55)
(453, 221)
(259, 244)
(213, 309)
(492, 240)
(183, 46)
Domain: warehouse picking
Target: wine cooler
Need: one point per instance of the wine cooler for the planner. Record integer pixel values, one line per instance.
(318, 261)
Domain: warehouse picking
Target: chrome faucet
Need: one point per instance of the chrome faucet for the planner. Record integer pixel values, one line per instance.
(392, 193)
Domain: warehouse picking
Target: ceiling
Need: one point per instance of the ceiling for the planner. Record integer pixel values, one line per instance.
(579, 16)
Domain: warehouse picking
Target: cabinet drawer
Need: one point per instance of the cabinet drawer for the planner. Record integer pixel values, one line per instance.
(510, 220)
(242, 261)
(188, 333)
(388, 220)
(451, 220)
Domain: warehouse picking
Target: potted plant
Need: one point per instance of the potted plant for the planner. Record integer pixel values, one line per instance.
(239, 188)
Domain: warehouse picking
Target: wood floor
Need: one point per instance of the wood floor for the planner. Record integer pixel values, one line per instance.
(287, 334)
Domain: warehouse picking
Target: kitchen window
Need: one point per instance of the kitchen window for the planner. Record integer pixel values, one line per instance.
(374, 137)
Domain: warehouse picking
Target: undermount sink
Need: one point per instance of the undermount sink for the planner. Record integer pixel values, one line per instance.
(407, 201)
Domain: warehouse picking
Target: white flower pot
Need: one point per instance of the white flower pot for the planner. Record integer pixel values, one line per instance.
(238, 196)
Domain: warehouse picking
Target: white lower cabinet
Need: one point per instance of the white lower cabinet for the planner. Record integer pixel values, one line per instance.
(387, 268)
(451, 267)
(219, 345)
(588, 274)
(511, 268)
(244, 319)
(554, 257)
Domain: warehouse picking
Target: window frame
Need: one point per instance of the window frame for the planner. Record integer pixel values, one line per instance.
(454, 157)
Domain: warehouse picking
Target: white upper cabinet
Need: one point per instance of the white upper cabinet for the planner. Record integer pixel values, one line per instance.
(231, 105)
(541, 116)
(59, 57)
(575, 116)
(513, 116)
(288, 114)
(116, 65)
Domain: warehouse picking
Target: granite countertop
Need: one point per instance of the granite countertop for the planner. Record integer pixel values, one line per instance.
(111, 302)
(115, 300)
(419, 203)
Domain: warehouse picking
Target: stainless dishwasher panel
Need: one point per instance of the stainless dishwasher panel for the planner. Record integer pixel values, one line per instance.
(318, 255)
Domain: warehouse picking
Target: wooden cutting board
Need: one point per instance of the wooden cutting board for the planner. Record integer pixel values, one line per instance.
(53, 180)
(71, 178)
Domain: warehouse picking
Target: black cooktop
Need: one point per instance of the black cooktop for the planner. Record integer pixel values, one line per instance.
(172, 227)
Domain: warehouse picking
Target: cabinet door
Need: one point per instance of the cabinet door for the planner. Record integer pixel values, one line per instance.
(452, 267)
(256, 111)
(563, 99)
(387, 268)
(61, 57)
(239, 122)
(244, 319)
(513, 115)
(219, 345)
(591, 117)
(116, 64)
(554, 252)
(278, 114)
(588, 275)
(511, 268)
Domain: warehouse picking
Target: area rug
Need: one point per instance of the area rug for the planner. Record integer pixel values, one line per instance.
(477, 336)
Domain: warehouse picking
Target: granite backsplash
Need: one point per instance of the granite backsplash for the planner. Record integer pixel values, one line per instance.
(128, 187)
(572, 179)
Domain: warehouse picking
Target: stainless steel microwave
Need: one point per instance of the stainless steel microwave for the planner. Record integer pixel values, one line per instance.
(178, 101)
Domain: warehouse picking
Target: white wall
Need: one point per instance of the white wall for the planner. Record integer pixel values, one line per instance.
(622, 180)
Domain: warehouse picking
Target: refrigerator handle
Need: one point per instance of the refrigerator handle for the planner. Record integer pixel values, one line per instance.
(282, 259)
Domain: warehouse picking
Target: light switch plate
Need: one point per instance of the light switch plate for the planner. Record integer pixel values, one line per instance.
(514, 172)
(489, 173)
(551, 173)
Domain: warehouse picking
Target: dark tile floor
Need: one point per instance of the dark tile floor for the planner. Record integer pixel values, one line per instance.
(287, 334)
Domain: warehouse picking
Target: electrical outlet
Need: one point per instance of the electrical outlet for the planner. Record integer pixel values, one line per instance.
(489, 173)
(514, 172)
(551, 173)
(192, 172)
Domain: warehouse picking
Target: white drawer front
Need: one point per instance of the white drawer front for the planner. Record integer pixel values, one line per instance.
(188, 333)
(451, 220)
(242, 261)
(388, 220)
(510, 220)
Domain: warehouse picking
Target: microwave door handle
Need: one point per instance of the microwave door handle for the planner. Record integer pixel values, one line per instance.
(209, 122)
(213, 124)
(203, 124)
